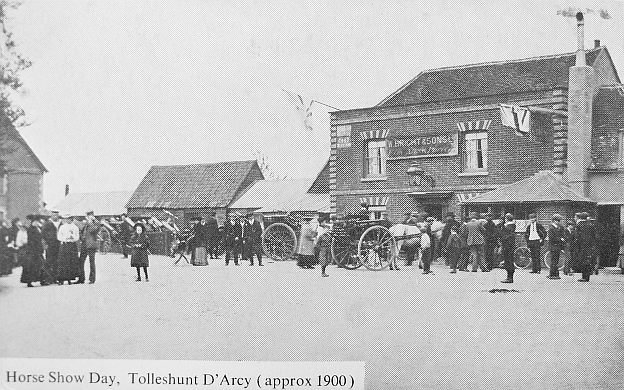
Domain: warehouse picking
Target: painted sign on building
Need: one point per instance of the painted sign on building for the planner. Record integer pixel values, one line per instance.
(343, 136)
(426, 145)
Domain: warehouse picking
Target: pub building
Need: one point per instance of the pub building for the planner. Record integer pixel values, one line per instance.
(438, 144)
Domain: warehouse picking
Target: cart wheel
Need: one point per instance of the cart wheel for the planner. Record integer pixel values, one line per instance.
(377, 248)
(279, 241)
(522, 257)
(562, 259)
(344, 252)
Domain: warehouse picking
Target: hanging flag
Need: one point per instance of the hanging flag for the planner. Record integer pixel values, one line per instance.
(518, 118)
(304, 110)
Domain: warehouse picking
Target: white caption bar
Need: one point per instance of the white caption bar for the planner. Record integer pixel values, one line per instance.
(177, 374)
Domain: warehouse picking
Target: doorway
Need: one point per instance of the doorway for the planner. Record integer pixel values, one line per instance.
(608, 230)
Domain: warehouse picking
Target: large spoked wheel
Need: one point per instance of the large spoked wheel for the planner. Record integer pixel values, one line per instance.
(377, 248)
(344, 252)
(279, 241)
(562, 260)
(522, 257)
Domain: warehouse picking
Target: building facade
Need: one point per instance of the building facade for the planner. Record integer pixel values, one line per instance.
(191, 191)
(446, 126)
(21, 182)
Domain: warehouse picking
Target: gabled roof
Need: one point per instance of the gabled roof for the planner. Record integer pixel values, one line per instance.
(13, 133)
(487, 79)
(320, 185)
(544, 186)
(282, 196)
(102, 203)
(192, 186)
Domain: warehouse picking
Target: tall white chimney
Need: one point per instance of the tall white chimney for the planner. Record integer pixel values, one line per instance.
(580, 97)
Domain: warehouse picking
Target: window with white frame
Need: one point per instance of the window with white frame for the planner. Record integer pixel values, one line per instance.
(375, 159)
(376, 212)
(475, 152)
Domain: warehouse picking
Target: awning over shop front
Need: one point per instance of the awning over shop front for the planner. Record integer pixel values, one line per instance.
(431, 194)
(544, 186)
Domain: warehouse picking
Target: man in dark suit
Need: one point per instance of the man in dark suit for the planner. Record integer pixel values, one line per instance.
(49, 232)
(476, 240)
(212, 234)
(534, 236)
(491, 234)
(89, 245)
(232, 239)
(585, 242)
(252, 239)
(556, 244)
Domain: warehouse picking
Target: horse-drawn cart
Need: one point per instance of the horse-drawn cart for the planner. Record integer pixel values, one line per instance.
(279, 239)
(368, 243)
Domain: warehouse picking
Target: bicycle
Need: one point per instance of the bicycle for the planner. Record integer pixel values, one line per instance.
(522, 258)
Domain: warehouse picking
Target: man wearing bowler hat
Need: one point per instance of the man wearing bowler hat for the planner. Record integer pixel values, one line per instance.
(88, 247)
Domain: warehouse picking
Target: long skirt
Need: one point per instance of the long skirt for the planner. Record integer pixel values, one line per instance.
(68, 261)
(200, 256)
(31, 267)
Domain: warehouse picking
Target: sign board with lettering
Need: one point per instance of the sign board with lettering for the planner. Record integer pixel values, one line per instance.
(426, 145)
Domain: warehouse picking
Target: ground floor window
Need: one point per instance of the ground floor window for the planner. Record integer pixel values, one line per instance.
(377, 212)
(519, 211)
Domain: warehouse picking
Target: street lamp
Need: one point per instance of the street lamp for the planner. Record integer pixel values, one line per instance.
(417, 175)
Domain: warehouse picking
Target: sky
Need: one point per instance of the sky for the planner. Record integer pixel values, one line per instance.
(118, 86)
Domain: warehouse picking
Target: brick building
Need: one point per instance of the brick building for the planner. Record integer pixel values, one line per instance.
(21, 182)
(445, 127)
(194, 190)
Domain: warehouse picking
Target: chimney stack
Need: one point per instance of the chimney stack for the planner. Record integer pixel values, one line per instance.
(66, 189)
(580, 99)
(596, 43)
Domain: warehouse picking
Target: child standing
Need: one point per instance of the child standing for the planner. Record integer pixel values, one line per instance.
(453, 248)
(139, 243)
(425, 250)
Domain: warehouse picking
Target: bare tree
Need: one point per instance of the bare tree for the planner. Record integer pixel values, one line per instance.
(267, 169)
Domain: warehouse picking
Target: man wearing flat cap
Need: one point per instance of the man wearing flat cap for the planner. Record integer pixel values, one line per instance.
(52, 244)
(89, 245)
(556, 244)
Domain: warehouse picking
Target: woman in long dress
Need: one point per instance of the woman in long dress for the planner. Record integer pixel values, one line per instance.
(68, 260)
(33, 259)
(305, 247)
(139, 244)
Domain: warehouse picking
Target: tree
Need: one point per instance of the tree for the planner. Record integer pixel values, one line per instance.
(266, 167)
(12, 63)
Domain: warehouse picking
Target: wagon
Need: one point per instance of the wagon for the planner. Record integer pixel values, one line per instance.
(279, 239)
(360, 242)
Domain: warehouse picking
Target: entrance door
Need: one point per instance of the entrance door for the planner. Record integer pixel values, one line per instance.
(434, 210)
(608, 229)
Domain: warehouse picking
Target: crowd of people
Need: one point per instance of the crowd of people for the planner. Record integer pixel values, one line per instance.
(54, 249)
(483, 242)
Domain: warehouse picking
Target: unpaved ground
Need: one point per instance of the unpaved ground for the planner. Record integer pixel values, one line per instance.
(414, 331)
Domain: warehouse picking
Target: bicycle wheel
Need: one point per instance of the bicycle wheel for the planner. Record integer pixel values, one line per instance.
(562, 259)
(522, 257)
